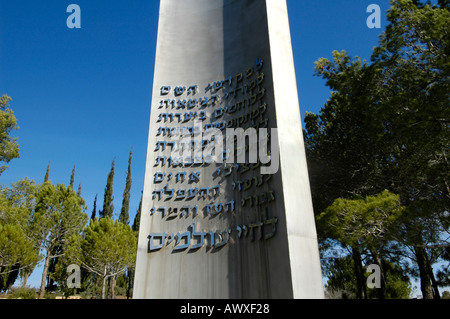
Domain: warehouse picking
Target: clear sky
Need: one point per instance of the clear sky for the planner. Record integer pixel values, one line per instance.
(82, 96)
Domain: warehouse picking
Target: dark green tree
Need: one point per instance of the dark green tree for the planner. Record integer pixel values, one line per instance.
(47, 172)
(106, 248)
(9, 148)
(137, 218)
(363, 226)
(57, 216)
(18, 254)
(79, 190)
(385, 126)
(72, 177)
(94, 209)
(108, 198)
(124, 212)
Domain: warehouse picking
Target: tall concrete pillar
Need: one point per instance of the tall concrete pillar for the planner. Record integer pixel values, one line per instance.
(225, 230)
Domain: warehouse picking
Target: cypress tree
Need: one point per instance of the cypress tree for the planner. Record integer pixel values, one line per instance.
(94, 210)
(124, 212)
(47, 172)
(137, 218)
(108, 206)
(72, 177)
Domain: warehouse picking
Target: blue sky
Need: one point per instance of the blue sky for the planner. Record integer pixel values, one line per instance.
(82, 96)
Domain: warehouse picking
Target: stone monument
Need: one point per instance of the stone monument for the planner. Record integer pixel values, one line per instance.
(219, 226)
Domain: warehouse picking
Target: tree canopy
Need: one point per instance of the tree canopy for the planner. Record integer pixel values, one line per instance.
(9, 148)
(386, 127)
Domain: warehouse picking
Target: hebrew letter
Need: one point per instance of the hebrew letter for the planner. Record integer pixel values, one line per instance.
(163, 210)
(194, 177)
(211, 238)
(218, 208)
(180, 175)
(159, 177)
(179, 90)
(229, 206)
(224, 238)
(272, 222)
(259, 64)
(179, 237)
(170, 191)
(205, 191)
(153, 236)
(159, 192)
(181, 104)
(185, 210)
(165, 90)
(195, 235)
(181, 194)
(192, 192)
(160, 159)
(173, 213)
(252, 229)
(192, 103)
(160, 144)
(192, 89)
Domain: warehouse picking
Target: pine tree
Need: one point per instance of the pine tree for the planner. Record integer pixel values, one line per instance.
(124, 212)
(108, 206)
(79, 190)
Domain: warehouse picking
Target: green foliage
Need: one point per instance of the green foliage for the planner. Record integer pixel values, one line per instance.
(58, 215)
(106, 248)
(137, 218)
(108, 206)
(385, 126)
(124, 212)
(341, 280)
(22, 293)
(17, 249)
(361, 221)
(9, 148)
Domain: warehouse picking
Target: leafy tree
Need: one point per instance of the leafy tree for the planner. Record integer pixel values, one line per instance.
(57, 216)
(124, 212)
(9, 148)
(108, 205)
(413, 63)
(18, 254)
(362, 224)
(385, 126)
(58, 250)
(106, 248)
(341, 283)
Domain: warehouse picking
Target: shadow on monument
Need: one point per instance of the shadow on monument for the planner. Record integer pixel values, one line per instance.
(260, 268)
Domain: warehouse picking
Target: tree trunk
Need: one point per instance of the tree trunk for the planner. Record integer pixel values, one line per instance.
(26, 274)
(425, 278)
(44, 275)
(104, 284)
(377, 259)
(130, 278)
(360, 279)
(433, 280)
(113, 285)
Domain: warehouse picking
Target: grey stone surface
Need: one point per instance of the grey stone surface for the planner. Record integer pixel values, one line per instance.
(201, 42)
